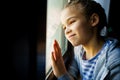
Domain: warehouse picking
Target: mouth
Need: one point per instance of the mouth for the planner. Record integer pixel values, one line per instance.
(71, 36)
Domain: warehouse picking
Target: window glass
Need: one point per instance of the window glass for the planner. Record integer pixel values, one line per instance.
(54, 29)
(105, 4)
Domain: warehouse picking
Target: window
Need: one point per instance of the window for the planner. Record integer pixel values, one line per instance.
(54, 29)
(105, 4)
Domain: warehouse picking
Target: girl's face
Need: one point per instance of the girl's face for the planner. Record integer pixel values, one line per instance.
(77, 28)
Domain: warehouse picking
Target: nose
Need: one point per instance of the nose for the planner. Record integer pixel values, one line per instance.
(68, 30)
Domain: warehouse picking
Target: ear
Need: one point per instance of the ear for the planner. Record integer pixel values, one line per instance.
(94, 19)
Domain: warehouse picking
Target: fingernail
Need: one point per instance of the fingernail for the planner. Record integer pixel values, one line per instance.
(55, 41)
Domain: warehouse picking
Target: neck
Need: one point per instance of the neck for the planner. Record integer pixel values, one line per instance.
(92, 47)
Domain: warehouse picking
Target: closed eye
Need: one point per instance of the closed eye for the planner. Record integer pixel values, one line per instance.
(71, 22)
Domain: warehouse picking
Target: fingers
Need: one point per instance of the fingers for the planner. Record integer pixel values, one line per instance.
(57, 49)
(53, 57)
(55, 54)
(57, 45)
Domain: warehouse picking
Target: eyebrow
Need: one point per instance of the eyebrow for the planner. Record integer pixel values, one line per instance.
(69, 19)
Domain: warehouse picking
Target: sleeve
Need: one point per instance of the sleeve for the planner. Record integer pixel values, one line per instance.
(115, 71)
(66, 76)
(73, 69)
(114, 66)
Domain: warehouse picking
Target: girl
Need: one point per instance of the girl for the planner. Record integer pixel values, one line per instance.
(96, 57)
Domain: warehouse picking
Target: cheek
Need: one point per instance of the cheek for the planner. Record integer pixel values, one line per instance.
(76, 26)
(83, 31)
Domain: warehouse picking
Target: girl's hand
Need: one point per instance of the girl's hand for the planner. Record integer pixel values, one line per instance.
(57, 60)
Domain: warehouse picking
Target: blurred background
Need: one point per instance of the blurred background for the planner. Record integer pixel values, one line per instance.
(25, 34)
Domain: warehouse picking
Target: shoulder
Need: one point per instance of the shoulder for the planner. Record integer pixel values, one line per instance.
(114, 47)
(113, 53)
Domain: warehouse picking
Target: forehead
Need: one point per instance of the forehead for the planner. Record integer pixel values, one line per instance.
(75, 10)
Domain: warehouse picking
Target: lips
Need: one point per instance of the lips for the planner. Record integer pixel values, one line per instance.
(71, 36)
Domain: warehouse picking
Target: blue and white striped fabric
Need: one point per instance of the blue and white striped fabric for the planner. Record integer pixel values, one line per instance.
(88, 68)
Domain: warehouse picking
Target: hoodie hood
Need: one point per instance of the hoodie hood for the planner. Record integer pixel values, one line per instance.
(114, 43)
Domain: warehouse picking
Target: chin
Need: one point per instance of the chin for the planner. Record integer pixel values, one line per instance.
(74, 44)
